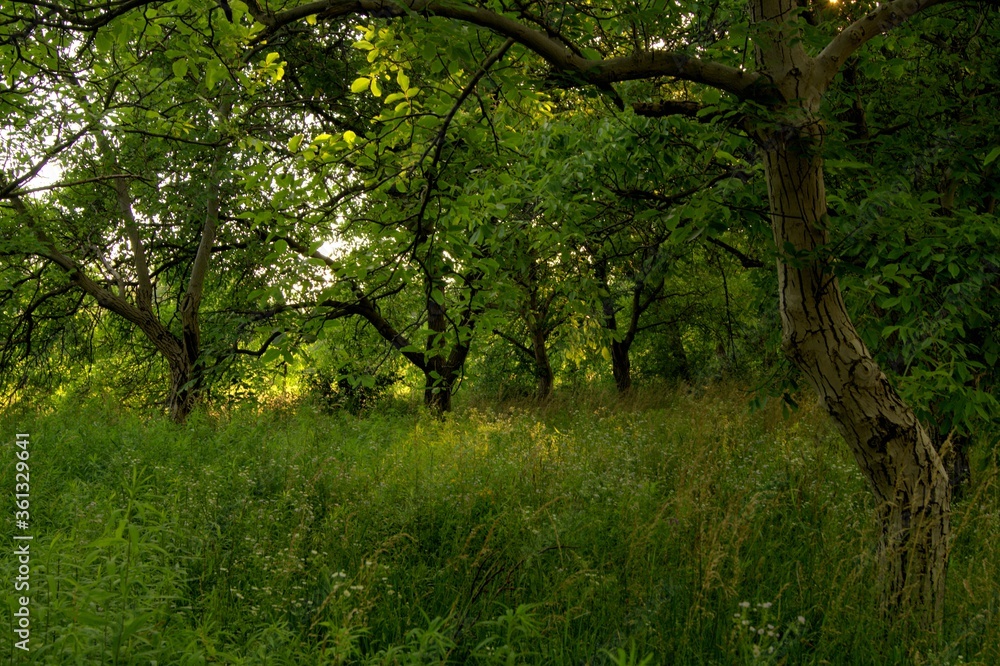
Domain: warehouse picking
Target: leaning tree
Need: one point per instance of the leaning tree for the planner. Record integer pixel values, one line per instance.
(765, 66)
(798, 52)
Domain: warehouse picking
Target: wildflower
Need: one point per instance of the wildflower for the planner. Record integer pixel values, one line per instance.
(802, 619)
(744, 604)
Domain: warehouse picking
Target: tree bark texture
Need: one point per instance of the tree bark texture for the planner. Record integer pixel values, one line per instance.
(892, 448)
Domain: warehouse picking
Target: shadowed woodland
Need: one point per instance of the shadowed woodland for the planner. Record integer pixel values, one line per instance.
(505, 332)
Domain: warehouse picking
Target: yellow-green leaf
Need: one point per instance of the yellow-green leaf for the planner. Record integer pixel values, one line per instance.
(360, 84)
(376, 90)
(350, 137)
(403, 80)
(311, 19)
(294, 143)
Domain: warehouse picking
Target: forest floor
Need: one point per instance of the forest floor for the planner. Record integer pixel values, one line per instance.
(678, 528)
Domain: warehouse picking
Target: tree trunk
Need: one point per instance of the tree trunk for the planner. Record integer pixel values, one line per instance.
(543, 367)
(439, 375)
(889, 444)
(681, 368)
(437, 391)
(182, 394)
(621, 365)
(892, 448)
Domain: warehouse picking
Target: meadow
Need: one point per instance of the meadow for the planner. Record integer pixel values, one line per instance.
(677, 528)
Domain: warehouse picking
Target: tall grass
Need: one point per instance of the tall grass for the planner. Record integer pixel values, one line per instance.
(678, 529)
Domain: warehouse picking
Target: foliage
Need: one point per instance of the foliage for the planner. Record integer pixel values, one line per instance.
(348, 387)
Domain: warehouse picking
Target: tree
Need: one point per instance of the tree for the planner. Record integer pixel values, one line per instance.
(144, 147)
(779, 104)
(798, 56)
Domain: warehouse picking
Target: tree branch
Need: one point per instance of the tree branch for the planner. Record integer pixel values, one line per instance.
(667, 107)
(521, 347)
(746, 260)
(641, 65)
(853, 37)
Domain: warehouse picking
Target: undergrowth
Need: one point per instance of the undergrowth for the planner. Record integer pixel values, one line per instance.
(676, 529)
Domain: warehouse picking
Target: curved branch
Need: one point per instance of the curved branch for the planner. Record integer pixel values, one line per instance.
(640, 65)
(883, 19)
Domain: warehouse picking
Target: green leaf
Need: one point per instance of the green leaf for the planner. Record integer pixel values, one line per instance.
(215, 71)
(294, 143)
(180, 68)
(104, 41)
(993, 154)
(403, 80)
(360, 84)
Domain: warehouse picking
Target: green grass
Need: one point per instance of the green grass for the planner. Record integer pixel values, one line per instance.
(580, 533)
